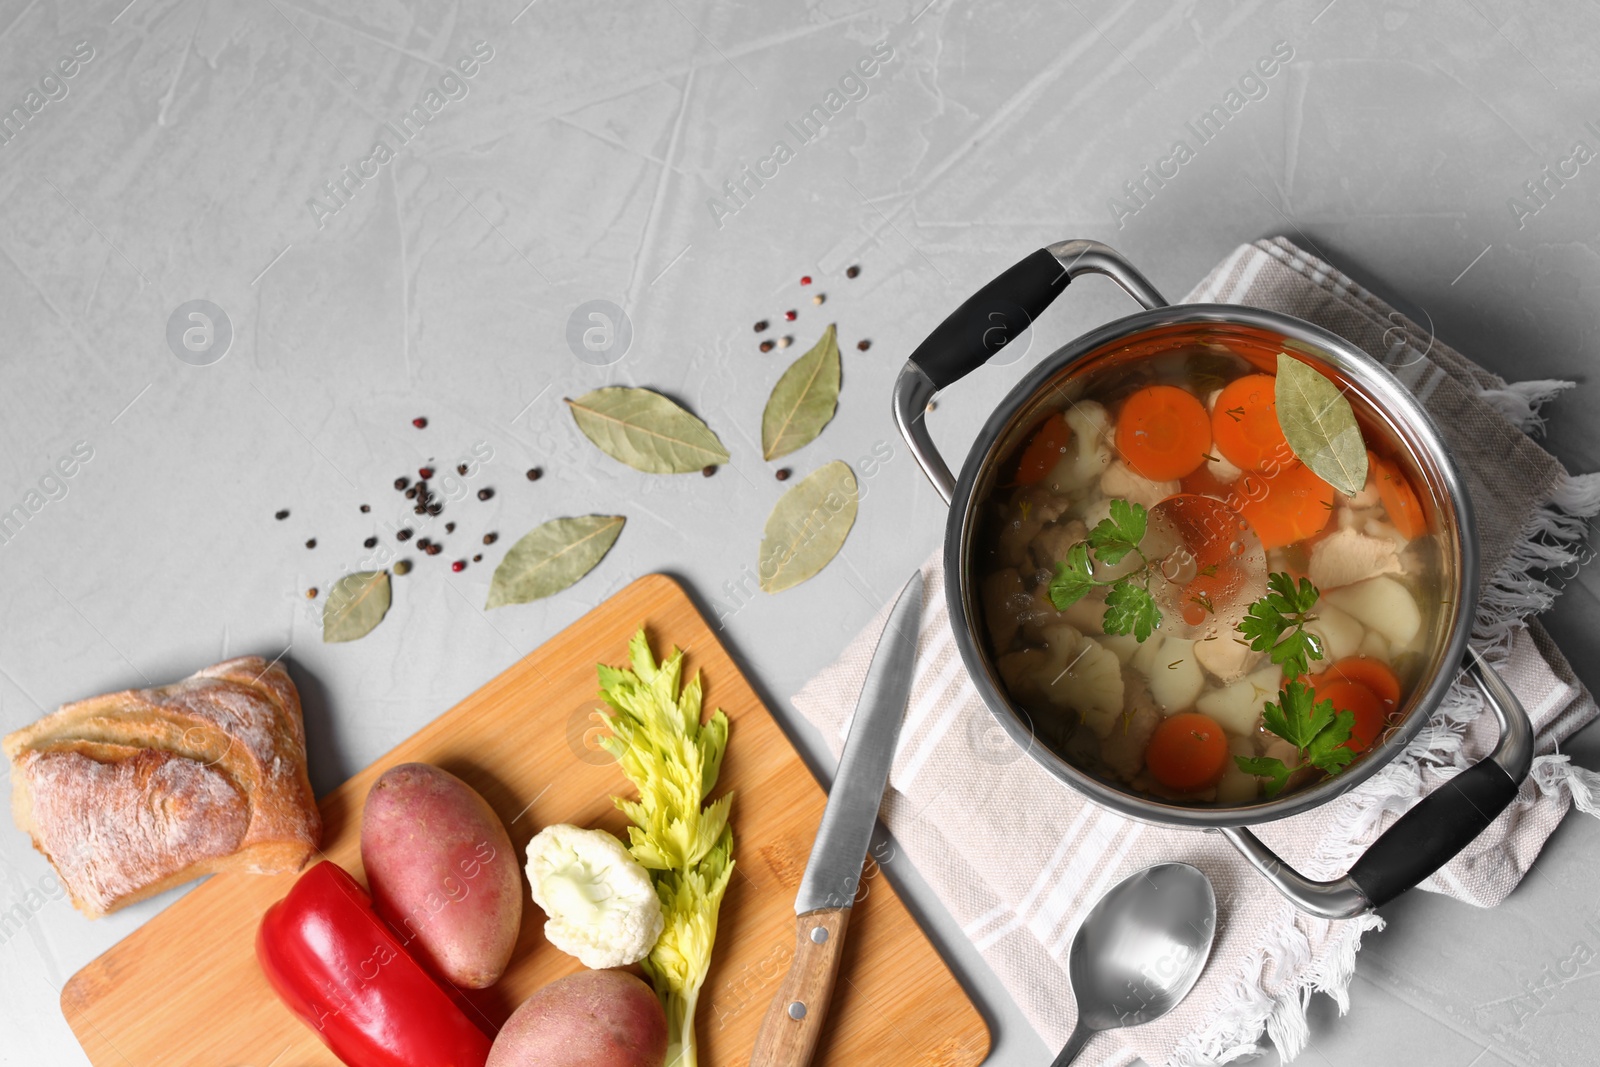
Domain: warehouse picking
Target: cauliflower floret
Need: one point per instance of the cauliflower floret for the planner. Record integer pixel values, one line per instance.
(1121, 480)
(1122, 750)
(1071, 672)
(1349, 556)
(1090, 451)
(598, 900)
(1026, 516)
(1087, 614)
(1049, 546)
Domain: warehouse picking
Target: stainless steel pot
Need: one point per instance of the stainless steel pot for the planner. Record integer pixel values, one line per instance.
(1437, 827)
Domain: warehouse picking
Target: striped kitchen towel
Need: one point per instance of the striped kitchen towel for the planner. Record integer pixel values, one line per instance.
(1018, 857)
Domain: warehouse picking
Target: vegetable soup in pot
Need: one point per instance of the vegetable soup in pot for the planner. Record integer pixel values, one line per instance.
(1208, 572)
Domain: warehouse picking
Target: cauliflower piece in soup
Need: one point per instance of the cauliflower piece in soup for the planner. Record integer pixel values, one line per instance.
(1122, 481)
(1090, 452)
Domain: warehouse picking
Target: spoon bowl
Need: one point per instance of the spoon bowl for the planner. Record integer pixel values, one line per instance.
(1140, 950)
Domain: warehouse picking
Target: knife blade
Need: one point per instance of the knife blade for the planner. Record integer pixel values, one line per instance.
(793, 1023)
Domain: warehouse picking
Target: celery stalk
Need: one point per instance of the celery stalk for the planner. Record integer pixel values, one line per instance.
(673, 759)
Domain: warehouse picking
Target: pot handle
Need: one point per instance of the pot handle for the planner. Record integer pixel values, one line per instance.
(986, 323)
(1429, 835)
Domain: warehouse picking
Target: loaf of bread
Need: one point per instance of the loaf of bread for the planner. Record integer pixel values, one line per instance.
(132, 793)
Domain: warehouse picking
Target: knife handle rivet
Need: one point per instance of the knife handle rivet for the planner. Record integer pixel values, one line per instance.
(797, 1010)
(819, 934)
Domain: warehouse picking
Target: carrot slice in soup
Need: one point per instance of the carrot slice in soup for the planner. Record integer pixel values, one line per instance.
(1187, 752)
(1244, 423)
(1044, 451)
(1364, 670)
(1163, 432)
(1289, 505)
(1363, 703)
(1399, 499)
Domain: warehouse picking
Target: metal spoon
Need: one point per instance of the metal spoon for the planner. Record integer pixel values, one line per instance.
(1140, 950)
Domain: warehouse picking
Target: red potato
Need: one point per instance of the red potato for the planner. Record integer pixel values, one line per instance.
(588, 1019)
(442, 872)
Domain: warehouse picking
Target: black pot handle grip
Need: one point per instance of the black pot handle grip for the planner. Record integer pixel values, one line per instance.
(989, 320)
(1437, 827)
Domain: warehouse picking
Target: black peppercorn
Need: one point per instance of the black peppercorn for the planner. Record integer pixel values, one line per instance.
(371, 542)
(311, 543)
(485, 494)
(534, 474)
(401, 483)
(284, 514)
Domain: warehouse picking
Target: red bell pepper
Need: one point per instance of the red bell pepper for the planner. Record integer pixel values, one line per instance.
(345, 974)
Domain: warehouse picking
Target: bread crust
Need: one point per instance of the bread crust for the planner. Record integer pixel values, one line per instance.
(130, 793)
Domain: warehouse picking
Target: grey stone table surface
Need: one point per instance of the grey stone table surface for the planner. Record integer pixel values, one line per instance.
(398, 210)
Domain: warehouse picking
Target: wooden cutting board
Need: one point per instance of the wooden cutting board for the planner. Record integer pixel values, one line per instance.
(185, 989)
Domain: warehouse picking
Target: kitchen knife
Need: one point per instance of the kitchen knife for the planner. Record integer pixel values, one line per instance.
(793, 1023)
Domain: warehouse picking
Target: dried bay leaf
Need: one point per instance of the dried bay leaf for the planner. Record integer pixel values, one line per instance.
(808, 527)
(646, 431)
(356, 603)
(1320, 425)
(551, 557)
(804, 400)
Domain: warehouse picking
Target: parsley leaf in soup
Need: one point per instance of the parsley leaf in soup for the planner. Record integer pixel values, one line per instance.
(1275, 624)
(1327, 750)
(1073, 579)
(1273, 770)
(1130, 609)
(1296, 718)
(1116, 536)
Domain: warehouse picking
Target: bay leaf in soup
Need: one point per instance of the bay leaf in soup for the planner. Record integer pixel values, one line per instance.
(804, 400)
(645, 430)
(1320, 425)
(808, 527)
(551, 557)
(356, 603)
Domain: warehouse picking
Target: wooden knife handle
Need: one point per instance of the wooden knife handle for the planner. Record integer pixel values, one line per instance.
(793, 1025)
